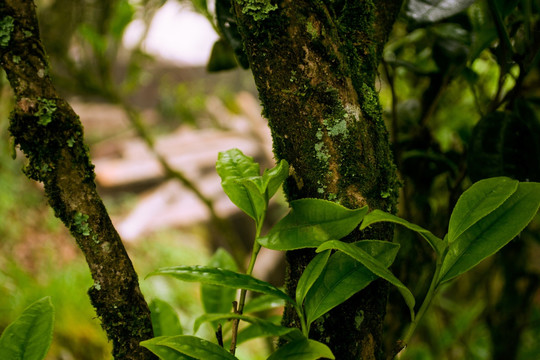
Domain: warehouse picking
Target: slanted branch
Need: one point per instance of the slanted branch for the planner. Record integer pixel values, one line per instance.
(50, 134)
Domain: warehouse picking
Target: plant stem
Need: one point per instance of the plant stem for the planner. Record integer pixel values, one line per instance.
(425, 304)
(239, 309)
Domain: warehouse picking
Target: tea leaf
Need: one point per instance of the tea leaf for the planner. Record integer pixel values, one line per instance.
(310, 223)
(29, 336)
(228, 278)
(492, 232)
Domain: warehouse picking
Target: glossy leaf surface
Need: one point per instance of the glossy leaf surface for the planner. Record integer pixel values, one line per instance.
(236, 170)
(343, 276)
(377, 267)
(215, 298)
(164, 319)
(310, 223)
(492, 232)
(262, 303)
(164, 352)
(310, 275)
(478, 201)
(190, 346)
(29, 336)
(377, 216)
(273, 178)
(302, 349)
(214, 276)
(266, 328)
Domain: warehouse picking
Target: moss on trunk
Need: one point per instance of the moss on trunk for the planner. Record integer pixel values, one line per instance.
(315, 66)
(51, 136)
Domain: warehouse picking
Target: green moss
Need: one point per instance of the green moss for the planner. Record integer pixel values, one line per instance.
(46, 109)
(80, 224)
(312, 30)
(257, 9)
(6, 28)
(370, 102)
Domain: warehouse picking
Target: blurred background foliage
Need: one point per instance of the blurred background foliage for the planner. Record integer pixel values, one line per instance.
(460, 92)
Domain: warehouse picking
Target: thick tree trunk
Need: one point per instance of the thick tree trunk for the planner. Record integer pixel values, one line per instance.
(315, 66)
(51, 136)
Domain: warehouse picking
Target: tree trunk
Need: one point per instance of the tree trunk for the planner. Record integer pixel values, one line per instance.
(51, 136)
(315, 66)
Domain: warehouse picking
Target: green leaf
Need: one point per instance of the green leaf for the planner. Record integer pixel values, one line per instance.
(266, 327)
(492, 232)
(374, 265)
(29, 336)
(302, 349)
(216, 298)
(262, 303)
(273, 178)
(478, 201)
(426, 11)
(214, 276)
(200, 6)
(222, 57)
(191, 346)
(310, 275)
(164, 319)
(377, 216)
(226, 22)
(343, 276)
(310, 223)
(165, 353)
(237, 172)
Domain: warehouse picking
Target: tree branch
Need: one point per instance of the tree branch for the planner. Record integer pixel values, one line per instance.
(51, 136)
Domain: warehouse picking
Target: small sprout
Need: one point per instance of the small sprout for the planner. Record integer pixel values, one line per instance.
(97, 286)
(385, 194)
(16, 59)
(71, 142)
(27, 33)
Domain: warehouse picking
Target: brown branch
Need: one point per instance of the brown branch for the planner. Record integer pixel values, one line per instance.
(51, 136)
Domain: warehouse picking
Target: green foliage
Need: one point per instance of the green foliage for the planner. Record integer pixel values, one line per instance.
(29, 337)
(373, 265)
(486, 217)
(6, 28)
(343, 276)
(310, 223)
(215, 276)
(186, 347)
(311, 273)
(243, 184)
(487, 228)
(165, 322)
(377, 216)
(303, 349)
(216, 298)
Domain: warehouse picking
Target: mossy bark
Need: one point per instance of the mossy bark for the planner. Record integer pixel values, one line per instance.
(315, 66)
(51, 136)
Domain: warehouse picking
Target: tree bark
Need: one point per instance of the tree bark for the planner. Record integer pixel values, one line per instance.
(315, 66)
(51, 136)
